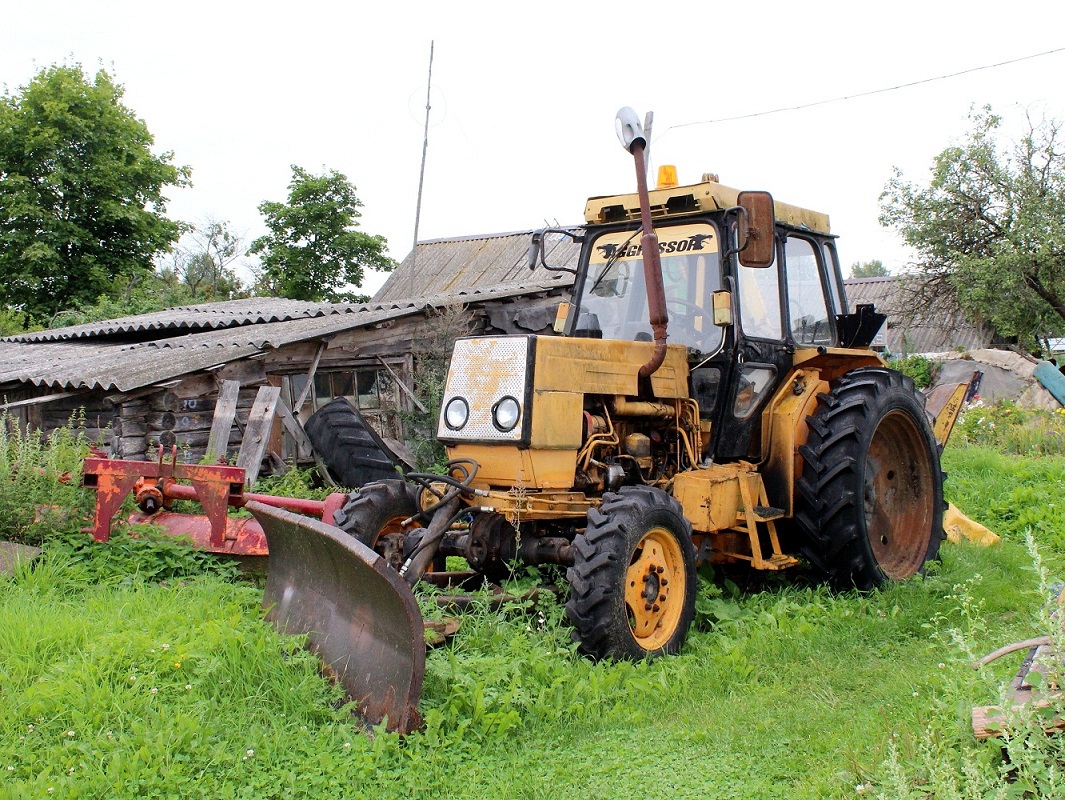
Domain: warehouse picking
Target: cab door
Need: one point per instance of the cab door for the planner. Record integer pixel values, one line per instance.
(785, 306)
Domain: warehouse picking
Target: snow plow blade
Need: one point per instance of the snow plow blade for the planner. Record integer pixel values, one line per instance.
(359, 615)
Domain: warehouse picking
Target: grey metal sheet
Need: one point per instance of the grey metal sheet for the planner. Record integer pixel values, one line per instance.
(96, 363)
(451, 266)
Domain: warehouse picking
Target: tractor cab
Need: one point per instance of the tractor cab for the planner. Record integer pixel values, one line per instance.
(742, 319)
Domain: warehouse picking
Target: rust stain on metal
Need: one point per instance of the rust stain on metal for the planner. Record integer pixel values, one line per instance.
(359, 615)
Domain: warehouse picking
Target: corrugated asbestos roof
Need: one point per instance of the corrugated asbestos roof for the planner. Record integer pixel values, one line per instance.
(907, 333)
(90, 361)
(207, 316)
(447, 266)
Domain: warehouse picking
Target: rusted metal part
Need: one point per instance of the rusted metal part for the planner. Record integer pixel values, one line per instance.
(652, 268)
(216, 488)
(242, 536)
(359, 615)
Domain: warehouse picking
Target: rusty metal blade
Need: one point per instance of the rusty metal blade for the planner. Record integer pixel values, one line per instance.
(358, 613)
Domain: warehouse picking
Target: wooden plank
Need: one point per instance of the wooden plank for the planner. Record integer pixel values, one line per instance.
(38, 400)
(224, 411)
(406, 390)
(310, 379)
(257, 434)
(294, 429)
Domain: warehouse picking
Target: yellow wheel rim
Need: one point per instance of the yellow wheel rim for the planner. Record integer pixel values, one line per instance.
(655, 585)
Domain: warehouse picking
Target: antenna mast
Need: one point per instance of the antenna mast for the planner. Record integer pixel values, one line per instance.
(421, 175)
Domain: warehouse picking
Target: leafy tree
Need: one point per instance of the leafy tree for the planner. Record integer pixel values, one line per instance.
(202, 264)
(81, 193)
(869, 269)
(313, 249)
(989, 228)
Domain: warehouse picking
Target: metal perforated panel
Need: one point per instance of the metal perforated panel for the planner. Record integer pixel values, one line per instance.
(483, 371)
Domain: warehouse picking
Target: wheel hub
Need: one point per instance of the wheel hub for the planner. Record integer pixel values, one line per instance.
(655, 570)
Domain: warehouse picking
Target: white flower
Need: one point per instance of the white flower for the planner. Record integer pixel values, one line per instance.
(70, 734)
(250, 752)
(154, 690)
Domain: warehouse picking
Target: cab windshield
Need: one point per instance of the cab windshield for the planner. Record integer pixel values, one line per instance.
(614, 297)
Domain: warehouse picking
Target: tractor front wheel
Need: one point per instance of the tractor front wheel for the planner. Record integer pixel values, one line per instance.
(632, 584)
(870, 499)
(374, 515)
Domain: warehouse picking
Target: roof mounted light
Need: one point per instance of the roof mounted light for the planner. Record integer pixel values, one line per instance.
(667, 177)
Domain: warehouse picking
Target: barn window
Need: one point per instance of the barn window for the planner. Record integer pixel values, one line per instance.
(368, 388)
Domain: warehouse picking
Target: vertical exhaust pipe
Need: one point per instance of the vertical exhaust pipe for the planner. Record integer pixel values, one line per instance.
(631, 134)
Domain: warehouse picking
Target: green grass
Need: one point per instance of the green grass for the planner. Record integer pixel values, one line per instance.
(784, 689)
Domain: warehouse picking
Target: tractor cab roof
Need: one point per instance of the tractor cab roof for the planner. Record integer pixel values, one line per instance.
(677, 201)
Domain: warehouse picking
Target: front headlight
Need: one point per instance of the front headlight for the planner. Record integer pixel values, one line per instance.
(457, 413)
(506, 413)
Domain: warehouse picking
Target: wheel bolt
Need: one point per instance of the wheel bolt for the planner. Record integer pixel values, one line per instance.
(655, 608)
(647, 607)
(660, 570)
(661, 598)
(664, 582)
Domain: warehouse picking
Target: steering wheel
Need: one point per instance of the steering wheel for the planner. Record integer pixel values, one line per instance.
(686, 318)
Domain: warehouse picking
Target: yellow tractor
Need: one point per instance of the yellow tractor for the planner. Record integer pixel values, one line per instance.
(711, 398)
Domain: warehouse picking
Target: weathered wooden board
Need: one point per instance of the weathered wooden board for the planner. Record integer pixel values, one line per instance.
(257, 434)
(225, 411)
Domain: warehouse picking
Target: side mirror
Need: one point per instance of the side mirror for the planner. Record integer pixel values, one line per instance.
(755, 230)
(547, 242)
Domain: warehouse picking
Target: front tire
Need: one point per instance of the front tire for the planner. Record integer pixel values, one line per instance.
(870, 499)
(633, 582)
(374, 515)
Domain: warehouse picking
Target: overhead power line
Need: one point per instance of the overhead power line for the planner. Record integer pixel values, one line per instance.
(842, 98)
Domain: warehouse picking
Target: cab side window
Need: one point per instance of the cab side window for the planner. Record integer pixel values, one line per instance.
(807, 309)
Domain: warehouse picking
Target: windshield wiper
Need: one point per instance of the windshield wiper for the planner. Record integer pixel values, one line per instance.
(611, 260)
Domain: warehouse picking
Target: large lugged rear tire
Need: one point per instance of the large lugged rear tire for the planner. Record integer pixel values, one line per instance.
(352, 450)
(632, 584)
(870, 499)
(374, 515)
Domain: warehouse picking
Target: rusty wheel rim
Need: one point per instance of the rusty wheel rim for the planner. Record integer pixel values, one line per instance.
(389, 540)
(654, 589)
(899, 501)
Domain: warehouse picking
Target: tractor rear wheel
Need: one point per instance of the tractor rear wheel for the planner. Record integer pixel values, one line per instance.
(374, 515)
(870, 499)
(632, 584)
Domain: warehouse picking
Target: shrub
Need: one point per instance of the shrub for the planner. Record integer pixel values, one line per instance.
(919, 368)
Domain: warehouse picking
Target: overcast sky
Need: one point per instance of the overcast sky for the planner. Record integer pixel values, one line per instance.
(524, 97)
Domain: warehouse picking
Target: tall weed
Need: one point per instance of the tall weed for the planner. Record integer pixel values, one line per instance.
(40, 483)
